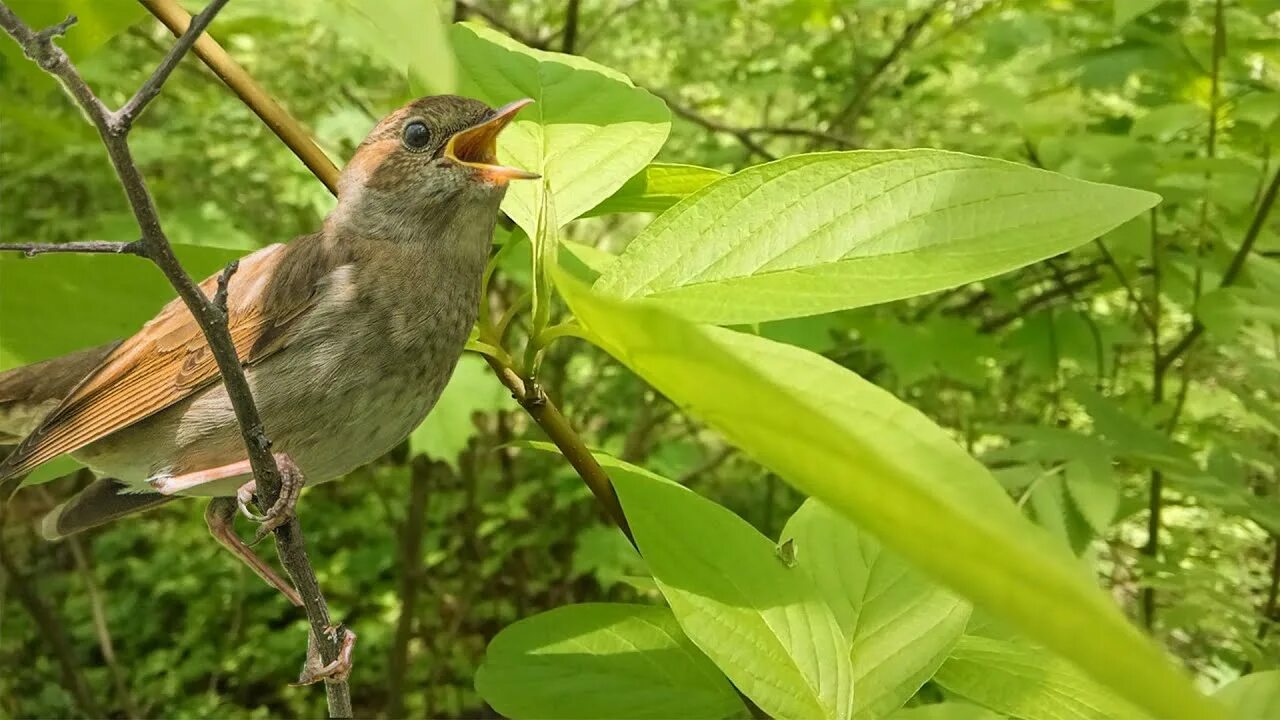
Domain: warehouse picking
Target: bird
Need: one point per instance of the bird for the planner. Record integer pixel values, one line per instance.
(347, 337)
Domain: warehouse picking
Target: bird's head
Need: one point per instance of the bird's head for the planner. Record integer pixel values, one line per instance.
(431, 162)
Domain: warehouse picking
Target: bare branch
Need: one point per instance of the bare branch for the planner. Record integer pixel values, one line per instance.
(714, 126)
(1232, 273)
(88, 246)
(857, 104)
(124, 118)
(210, 318)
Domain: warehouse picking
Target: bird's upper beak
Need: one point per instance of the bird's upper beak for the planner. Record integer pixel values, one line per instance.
(476, 147)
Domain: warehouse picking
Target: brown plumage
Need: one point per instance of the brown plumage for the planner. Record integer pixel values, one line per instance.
(347, 335)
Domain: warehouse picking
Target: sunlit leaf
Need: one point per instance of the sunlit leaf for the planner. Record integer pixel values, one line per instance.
(602, 660)
(1022, 681)
(900, 625)
(588, 131)
(763, 623)
(814, 233)
(893, 472)
(656, 188)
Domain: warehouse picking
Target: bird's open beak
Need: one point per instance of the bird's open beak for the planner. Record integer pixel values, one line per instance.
(476, 147)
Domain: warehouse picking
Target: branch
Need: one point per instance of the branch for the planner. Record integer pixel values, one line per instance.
(1124, 281)
(113, 129)
(570, 27)
(1231, 274)
(858, 103)
(88, 246)
(541, 409)
(741, 135)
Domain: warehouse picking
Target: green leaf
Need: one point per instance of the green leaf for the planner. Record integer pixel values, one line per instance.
(408, 35)
(95, 298)
(602, 660)
(1022, 681)
(588, 132)
(1125, 11)
(763, 623)
(896, 474)
(1253, 697)
(900, 625)
(946, 711)
(814, 233)
(450, 426)
(656, 188)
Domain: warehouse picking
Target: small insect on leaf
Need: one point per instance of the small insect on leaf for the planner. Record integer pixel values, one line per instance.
(787, 552)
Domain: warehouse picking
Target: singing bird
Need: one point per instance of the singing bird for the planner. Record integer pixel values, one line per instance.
(347, 337)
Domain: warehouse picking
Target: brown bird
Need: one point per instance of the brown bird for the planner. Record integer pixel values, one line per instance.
(347, 337)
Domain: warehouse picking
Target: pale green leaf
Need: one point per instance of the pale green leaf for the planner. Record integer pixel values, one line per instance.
(1253, 697)
(945, 711)
(588, 132)
(763, 623)
(444, 434)
(602, 660)
(900, 625)
(810, 234)
(1023, 681)
(408, 35)
(656, 188)
(896, 474)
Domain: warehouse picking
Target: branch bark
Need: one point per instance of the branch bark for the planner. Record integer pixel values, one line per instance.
(88, 246)
(113, 129)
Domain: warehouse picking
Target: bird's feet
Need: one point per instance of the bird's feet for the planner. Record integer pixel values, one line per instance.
(315, 669)
(282, 511)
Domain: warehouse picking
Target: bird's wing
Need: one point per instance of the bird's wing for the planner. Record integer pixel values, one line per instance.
(168, 359)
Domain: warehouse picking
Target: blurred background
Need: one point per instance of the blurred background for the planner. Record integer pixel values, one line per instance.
(1047, 374)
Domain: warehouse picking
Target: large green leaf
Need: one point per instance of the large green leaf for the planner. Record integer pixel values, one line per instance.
(589, 131)
(656, 188)
(764, 623)
(602, 660)
(1253, 697)
(810, 234)
(1023, 681)
(900, 625)
(896, 474)
(94, 299)
(406, 34)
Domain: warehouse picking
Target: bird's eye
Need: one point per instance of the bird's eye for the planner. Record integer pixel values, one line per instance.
(416, 135)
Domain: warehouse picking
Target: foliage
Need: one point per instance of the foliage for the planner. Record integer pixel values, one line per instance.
(976, 378)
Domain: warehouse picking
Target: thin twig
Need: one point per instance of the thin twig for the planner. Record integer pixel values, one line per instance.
(1232, 272)
(738, 133)
(212, 321)
(857, 104)
(1124, 282)
(87, 246)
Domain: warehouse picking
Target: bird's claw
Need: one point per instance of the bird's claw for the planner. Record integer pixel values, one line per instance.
(315, 669)
(283, 510)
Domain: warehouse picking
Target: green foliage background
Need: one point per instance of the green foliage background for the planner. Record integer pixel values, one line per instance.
(1046, 374)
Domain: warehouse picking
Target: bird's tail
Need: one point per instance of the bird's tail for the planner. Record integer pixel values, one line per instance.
(101, 502)
(29, 393)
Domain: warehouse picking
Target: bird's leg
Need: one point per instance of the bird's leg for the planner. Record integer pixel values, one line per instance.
(279, 513)
(282, 510)
(220, 515)
(314, 669)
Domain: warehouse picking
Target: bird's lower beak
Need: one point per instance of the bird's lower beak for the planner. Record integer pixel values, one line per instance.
(476, 147)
